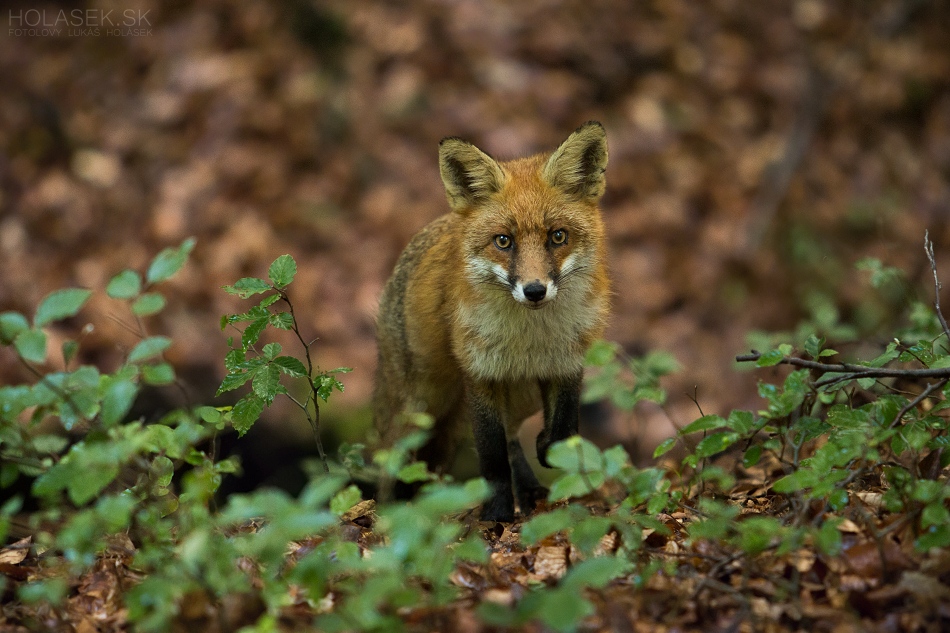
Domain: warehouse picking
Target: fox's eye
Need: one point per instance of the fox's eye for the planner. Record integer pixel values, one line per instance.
(558, 237)
(503, 242)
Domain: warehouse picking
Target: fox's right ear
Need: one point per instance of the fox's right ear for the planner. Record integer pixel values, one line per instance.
(469, 174)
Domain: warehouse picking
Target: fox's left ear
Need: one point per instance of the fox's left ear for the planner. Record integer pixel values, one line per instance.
(577, 167)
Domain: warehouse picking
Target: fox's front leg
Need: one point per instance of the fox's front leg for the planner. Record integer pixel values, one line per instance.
(491, 443)
(562, 400)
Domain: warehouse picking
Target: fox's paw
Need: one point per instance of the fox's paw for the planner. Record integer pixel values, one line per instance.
(498, 509)
(528, 499)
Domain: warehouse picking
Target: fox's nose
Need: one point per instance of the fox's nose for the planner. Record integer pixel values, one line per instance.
(535, 291)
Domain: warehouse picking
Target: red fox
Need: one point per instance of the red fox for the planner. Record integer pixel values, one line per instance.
(491, 308)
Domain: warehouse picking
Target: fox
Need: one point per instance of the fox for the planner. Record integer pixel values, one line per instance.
(491, 308)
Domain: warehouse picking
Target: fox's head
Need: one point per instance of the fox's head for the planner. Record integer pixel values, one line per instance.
(532, 225)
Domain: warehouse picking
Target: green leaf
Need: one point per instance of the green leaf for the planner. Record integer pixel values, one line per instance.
(271, 351)
(125, 285)
(935, 513)
(751, 456)
(70, 348)
(450, 498)
(31, 345)
(83, 489)
(798, 480)
(716, 443)
(594, 573)
(252, 333)
(575, 454)
(211, 415)
(117, 400)
(575, 485)
(148, 348)
(741, 421)
(600, 353)
(757, 532)
(770, 358)
(246, 412)
(416, 471)
(587, 534)
(345, 499)
(233, 381)
(936, 536)
(828, 537)
(290, 366)
(11, 324)
(148, 304)
(168, 262)
(52, 591)
(282, 320)
(665, 447)
(813, 345)
(158, 374)
(562, 609)
(890, 353)
(60, 304)
(248, 287)
(266, 383)
(704, 423)
(282, 271)
(543, 525)
(325, 384)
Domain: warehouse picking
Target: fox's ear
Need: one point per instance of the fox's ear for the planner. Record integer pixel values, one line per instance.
(577, 167)
(469, 174)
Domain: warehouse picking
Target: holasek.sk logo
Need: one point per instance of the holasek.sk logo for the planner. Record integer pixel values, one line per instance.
(79, 23)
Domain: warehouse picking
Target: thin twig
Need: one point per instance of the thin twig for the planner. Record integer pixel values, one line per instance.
(929, 249)
(315, 420)
(920, 398)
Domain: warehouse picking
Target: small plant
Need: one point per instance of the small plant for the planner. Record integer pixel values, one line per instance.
(265, 367)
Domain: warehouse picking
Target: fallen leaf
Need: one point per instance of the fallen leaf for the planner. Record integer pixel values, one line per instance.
(15, 553)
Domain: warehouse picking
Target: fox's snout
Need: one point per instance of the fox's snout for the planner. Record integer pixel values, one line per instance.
(534, 293)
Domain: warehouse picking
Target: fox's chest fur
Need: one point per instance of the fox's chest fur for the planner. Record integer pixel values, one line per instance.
(500, 339)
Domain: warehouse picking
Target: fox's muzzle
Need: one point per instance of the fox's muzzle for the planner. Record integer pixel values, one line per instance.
(534, 294)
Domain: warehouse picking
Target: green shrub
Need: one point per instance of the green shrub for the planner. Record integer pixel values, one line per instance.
(108, 484)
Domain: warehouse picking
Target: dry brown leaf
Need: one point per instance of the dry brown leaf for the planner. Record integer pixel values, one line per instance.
(499, 595)
(872, 500)
(550, 562)
(870, 559)
(927, 589)
(361, 509)
(15, 553)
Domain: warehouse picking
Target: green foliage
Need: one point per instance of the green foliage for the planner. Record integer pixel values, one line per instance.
(823, 432)
(626, 381)
(265, 368)
(829, 429)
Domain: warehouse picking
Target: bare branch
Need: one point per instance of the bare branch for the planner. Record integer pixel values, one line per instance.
(853, 371)
(929, 249)
(920, 398)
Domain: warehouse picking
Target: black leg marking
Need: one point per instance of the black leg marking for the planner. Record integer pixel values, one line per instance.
(562, 399)
(527, 489)
(491, 444)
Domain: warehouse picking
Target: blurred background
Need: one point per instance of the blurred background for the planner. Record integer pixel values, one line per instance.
(758, 150)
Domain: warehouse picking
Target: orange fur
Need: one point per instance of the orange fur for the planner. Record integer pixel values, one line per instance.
(465, 320)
